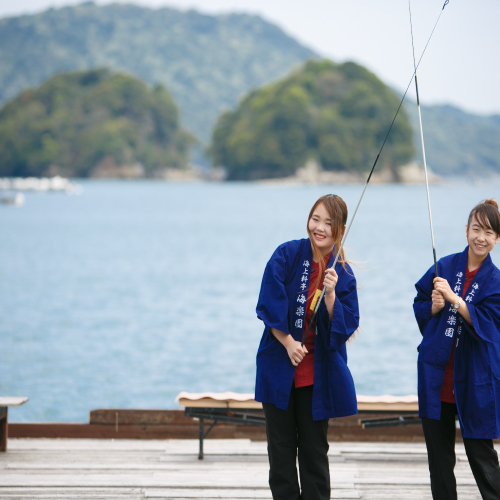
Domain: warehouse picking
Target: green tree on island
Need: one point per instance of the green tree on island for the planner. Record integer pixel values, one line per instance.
(77, 122)
(337, 114)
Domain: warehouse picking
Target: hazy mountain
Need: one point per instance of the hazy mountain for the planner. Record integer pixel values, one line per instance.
(456, 142)
(207, 62)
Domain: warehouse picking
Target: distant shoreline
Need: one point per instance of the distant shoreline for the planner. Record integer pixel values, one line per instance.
(410, 174)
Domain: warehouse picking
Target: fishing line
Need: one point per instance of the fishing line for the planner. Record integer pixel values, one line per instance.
(422, 141)
(318, 303)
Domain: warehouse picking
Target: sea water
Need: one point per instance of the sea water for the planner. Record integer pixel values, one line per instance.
(133, 291)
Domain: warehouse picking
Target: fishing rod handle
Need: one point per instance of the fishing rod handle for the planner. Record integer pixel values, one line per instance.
(313, 318)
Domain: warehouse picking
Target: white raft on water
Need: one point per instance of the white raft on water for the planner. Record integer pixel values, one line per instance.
(55, 183)
(16, 199)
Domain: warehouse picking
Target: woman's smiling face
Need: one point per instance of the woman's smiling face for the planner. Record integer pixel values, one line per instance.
(481, 239)
(320, 226)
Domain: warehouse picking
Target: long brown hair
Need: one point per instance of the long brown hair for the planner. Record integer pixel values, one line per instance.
(487, 215)
(337, 210)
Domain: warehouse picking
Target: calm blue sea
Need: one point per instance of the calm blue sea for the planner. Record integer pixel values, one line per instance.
(133, 291)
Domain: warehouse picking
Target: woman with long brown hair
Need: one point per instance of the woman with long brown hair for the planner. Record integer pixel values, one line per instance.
(301, 387)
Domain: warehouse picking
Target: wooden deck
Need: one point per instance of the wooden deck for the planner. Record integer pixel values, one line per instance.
(66, 469)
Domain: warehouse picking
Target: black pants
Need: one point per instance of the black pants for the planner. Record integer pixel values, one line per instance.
(291, 430)
(440, 441)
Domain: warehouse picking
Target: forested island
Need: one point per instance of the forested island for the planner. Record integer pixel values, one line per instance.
(92, 123)
(335, 114)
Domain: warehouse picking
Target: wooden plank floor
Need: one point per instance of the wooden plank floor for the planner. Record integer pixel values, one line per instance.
(60, 469)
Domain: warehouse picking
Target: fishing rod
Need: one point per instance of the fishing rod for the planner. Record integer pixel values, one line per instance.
(422, 141)
(318, 303)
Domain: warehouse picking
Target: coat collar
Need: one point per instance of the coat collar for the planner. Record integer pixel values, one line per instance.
(483, 272)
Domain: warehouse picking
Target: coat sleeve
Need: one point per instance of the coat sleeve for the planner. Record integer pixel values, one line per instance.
(345, 320)
(272, 306)
(485, 317)
(422, 303)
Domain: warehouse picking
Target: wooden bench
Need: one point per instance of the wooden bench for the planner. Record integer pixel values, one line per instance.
(4, 413)
(243, 409)
(403, 410)
(220, 407)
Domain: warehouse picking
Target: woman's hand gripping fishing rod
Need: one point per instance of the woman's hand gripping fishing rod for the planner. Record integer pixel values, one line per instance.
(297, 350)
(330, 282)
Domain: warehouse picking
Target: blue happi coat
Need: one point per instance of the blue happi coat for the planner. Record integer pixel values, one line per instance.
(281, 305)
(476, 374)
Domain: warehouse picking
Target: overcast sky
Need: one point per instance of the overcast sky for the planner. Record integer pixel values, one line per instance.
(461, 66)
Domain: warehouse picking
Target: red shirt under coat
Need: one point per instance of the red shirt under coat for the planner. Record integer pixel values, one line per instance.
(448, 389)
(304, 373)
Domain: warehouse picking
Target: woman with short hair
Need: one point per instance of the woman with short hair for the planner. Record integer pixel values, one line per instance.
(458, 314)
